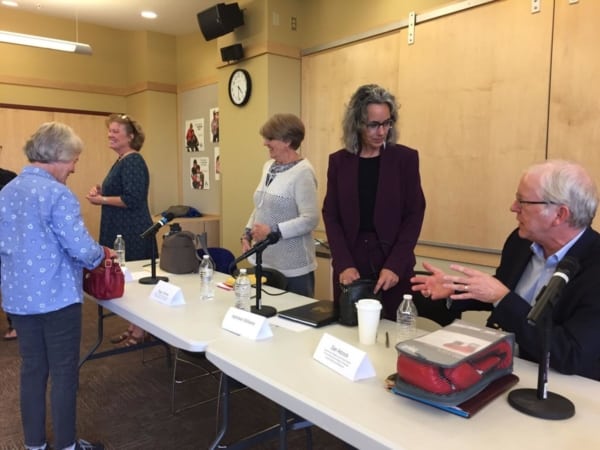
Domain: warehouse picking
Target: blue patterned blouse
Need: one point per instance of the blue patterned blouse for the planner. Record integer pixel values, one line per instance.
(44, 244)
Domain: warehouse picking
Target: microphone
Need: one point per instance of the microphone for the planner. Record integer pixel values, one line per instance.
(566, 269)
(271, 238)
(154, 228)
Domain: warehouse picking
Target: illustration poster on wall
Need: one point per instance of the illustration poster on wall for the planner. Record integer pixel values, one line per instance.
(214, 124)
(194, 135)
(217, 164)
(199, 173)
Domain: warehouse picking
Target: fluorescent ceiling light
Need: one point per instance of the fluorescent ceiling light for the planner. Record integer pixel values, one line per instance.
(148, 14)
(44, 42)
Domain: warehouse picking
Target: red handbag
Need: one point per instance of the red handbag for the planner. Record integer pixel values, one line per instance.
(105, 281)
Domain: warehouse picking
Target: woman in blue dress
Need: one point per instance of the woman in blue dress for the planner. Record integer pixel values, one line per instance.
(123, 197)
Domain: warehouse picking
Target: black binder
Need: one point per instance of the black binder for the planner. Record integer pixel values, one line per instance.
(316, 314)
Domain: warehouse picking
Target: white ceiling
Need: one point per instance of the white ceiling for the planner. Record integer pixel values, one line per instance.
(175, 17)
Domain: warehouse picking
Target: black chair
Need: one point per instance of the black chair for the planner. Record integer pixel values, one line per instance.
(220, 256)
(273, 277)
(222, 259)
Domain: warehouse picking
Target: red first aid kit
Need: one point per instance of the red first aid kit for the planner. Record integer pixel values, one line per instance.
(454, 363)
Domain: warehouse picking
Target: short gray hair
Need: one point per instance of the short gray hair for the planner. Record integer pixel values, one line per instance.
(568, 183)
(284, 127)
(355, 116)
(53, 142)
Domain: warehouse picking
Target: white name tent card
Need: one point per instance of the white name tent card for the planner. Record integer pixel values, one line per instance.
(343, 358)
(167, 293)
(246, 324)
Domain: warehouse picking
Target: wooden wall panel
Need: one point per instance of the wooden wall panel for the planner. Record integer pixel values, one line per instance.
(94, 163)
(473, 92)
(574, 121)
(17, 125)
(328, 81)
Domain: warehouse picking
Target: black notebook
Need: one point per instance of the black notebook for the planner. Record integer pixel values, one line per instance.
(316, 314)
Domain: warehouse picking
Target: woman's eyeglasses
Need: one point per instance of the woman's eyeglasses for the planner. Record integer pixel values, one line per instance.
(130, 122)
(374, 125)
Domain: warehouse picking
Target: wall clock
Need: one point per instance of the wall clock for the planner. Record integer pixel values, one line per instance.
(240, 87)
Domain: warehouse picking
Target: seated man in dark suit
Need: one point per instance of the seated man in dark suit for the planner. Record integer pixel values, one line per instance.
(555, 204)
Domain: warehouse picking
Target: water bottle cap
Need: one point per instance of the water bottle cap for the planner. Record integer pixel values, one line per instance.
(205, 256)
(242, 271)
(407, 296)
(119, 235)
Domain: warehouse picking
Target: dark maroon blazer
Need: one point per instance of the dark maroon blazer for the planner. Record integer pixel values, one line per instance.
(398, 213)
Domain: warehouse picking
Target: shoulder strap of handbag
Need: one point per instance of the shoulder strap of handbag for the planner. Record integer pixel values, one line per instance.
(201, 240)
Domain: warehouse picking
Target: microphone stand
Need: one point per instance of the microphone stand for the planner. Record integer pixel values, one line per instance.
(539, 402)
(153, 279)
(263, 310)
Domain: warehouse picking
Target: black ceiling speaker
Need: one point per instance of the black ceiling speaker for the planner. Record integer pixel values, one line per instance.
(233, 52)
(220, 20)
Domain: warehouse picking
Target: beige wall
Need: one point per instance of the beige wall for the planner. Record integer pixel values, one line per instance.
(142, 73)
(132, 72)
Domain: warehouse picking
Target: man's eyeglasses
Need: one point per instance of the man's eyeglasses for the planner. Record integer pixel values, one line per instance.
(374, 125)
(532, 202)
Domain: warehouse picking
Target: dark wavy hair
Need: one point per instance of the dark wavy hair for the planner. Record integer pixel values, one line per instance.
(355, 117)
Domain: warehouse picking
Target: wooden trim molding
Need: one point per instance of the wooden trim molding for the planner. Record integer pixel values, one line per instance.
(88, 88)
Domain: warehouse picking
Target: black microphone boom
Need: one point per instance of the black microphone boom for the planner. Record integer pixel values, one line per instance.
(566, 269)
(271, 238)
(154, 228)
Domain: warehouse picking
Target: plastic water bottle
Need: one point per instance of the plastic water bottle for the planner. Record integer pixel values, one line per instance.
(242, 291)
(119, 248)
(207, 290)
(406, 318)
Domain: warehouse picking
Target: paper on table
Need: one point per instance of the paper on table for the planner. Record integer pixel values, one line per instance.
(137, 275)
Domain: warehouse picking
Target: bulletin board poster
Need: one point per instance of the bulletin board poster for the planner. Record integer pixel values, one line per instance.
(214, 125)
(217, 164)
(194, 135)
(200, 173)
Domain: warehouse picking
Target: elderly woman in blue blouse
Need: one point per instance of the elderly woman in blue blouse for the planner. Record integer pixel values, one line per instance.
(44, 246)
(285, 202)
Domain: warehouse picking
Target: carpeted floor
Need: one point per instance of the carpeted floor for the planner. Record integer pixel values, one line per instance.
(124, 402)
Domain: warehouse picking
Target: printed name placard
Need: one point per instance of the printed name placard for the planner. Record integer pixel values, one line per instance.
(343, 358)
(246, 324)
(167, 293)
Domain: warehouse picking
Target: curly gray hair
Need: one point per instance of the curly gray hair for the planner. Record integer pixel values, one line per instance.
(356, 115)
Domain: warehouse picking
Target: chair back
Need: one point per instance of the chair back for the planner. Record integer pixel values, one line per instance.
(273, 277)
(221, 257)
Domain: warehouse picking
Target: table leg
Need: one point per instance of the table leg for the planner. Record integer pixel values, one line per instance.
(91, 354)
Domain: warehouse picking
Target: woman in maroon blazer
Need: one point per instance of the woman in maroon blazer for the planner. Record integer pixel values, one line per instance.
(374, 205)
